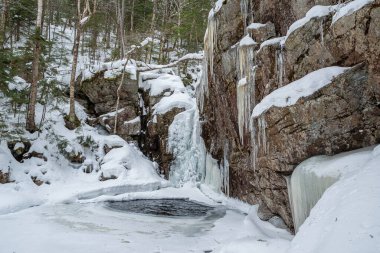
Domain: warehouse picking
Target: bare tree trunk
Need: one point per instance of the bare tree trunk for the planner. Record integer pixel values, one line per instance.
(72, 121)
(30, 120)
(3, 20)
(122, 32)
(132, 14)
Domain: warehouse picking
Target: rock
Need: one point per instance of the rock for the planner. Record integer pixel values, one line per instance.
(4, 177)
(36, 155)
(342, 116)
(156, 145)
(263, 32)
(18, 148)
(37, 181)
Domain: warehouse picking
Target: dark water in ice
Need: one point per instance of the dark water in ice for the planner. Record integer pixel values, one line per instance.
(162, 207)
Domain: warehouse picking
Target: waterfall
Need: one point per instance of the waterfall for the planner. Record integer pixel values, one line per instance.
(217, 174)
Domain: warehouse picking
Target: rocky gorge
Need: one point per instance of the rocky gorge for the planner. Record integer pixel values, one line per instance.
(251, 50)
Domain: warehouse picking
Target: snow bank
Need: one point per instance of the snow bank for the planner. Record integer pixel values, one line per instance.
(350, 8)
(288, 95)
(346, 218)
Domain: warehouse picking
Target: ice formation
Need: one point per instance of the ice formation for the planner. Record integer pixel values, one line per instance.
(187, 146)
(245, 90)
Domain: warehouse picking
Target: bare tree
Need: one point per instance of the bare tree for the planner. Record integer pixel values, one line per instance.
(83, 16)
(3, 20)
(30, 118)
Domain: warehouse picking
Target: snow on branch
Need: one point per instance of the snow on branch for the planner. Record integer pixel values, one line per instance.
(188, 57)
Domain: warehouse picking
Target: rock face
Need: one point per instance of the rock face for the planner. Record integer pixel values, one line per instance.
(342, 116)
(136, 121)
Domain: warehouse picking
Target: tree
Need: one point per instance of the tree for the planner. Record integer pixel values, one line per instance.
(83, 16)
(30, 118)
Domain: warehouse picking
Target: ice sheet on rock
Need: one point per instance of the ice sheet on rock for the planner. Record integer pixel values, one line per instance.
(289, 94)
(349, 8)
(346, 218)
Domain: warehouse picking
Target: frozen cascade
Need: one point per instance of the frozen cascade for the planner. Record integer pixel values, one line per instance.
(217, 174)
(187, 146)
(305, 188)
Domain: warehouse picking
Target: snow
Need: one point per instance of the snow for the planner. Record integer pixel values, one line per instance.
(254, 26)
(272, 42)
(247, 41)
(315, 12)
(346, 218)
(18, 84)
(289, 94)
(350, 8)
(163, 83)
(176, 100)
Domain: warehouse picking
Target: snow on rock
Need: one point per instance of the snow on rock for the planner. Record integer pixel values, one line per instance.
(306, 86)
(315, 12)
(273, 41)
(111, 70)
(164, 82)
(247, 41)
(126, 162)
(255, 26)
(176, 100)
(346, 218)
(350, 8)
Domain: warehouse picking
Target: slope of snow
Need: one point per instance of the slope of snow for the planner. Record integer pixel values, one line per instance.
(163, 83)
(350, 8)
(306, 86)
(347, 217)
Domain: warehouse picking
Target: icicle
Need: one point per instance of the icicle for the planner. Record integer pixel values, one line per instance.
(262, 137)
(280, 66)
(208, 62)
(244, 13)
(226, 170)
(245, 87)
